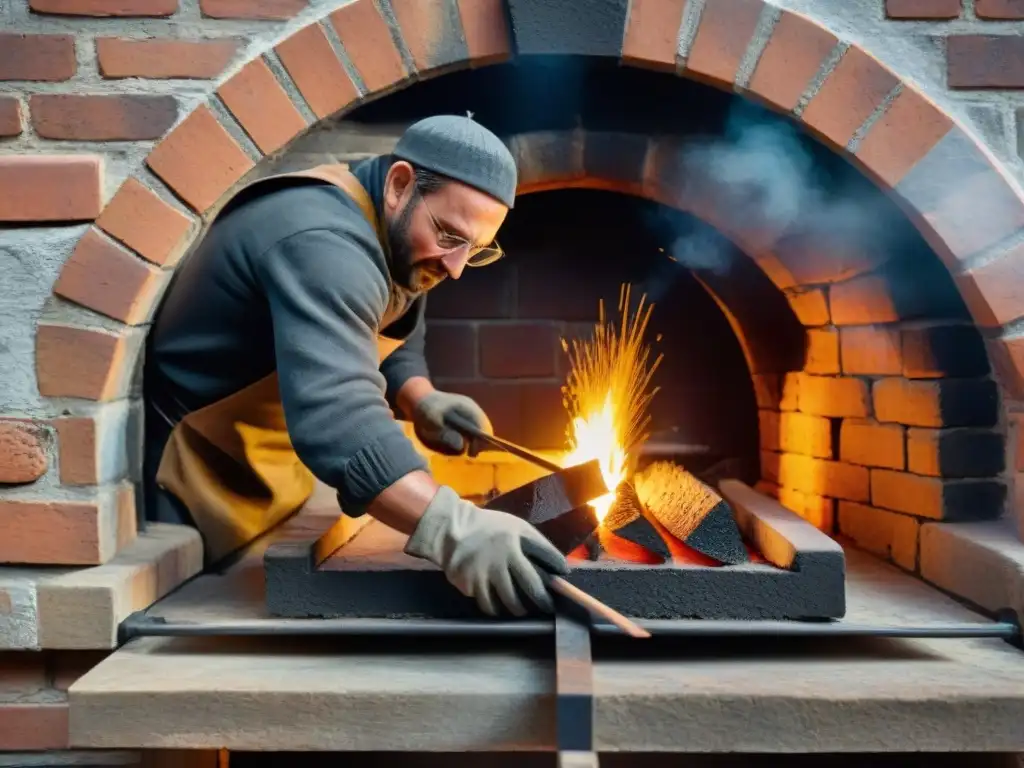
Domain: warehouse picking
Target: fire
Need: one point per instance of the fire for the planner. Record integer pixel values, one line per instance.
(607, 394)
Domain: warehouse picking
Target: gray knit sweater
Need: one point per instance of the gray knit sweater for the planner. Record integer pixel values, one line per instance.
(293, 279)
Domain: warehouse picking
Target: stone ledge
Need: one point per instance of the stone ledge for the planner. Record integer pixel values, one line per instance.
(81, 608)
(982, 563)
(720, 696)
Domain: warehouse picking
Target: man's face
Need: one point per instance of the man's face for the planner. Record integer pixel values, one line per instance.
(433, 235)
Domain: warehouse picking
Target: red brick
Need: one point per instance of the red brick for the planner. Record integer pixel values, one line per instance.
(985, 61)
(955, 452)
(42, 58)
(836, 397)
(770, 465)
(22, 673)
(937, 498)
(769, 429)
(518, 350)
(368, 43)
(1007, 357)
(10, 117)
(995, 290)
(317, 71)
(486, 30)
(823, 478)
(105, 7)
(76, 437)
(102, 118)
(790, 392)
(52, 533)
(160, 59)
(815, 256)
(22, 452)
(451, 350)
(262, 106)
(725, 30)
(767, 488)
(103, 276)
(137, 217)
(652, 32)
(938, 403)
(868, 350)
(792, 58)
(767, 390)
(822, 354)
(964, 208)
(908, 130)
(80, 362)
(884, 533)
(33, 727)
(862, 301)
(805, 434)
(428, 34)
(848, 96)
(937, 351)
(923, 9)
(275, 10)
(50, 187)
(872, 444)
(999, 9)
(199, 160)
(810, 305)
(819, 511)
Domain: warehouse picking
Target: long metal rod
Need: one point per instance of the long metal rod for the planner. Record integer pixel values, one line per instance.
(140, 625)
(468, 429)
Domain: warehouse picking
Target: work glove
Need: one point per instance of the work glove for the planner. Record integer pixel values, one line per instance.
(486, 554)
(428, 421)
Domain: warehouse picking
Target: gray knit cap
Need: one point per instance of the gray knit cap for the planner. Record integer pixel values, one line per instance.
(461, 148)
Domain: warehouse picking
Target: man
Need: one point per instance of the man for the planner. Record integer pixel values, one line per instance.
(296, 326)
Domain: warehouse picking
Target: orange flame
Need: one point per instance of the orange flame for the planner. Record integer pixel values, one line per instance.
(606, 394)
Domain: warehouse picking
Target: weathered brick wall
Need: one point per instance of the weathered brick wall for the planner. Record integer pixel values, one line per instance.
(124, 122)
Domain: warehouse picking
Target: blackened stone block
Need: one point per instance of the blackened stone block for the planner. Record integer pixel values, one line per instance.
(955, 452)
(556, 504)
(950, 350)
(581, 28)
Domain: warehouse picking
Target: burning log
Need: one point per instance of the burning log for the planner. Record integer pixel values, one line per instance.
(691, 511)
(627, 519)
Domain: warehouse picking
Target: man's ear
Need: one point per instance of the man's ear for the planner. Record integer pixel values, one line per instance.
(398, 185)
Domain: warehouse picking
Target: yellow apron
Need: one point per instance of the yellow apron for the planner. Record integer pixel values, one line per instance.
(232, 463)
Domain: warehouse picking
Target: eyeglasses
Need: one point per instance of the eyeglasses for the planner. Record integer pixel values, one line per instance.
(479, 255)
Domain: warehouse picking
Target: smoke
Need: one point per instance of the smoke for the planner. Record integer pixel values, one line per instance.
(762, 180)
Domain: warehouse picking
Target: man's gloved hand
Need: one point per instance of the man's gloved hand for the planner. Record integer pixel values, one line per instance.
(428, 421)
(485, 553)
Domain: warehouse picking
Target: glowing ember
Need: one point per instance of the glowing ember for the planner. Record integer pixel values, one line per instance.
(606, 394)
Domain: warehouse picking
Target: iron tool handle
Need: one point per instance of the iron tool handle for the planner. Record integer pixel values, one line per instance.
(471, 431)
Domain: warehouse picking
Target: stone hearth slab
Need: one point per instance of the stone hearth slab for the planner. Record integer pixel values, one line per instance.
(372, 577)
(81, 608)
(740, 695)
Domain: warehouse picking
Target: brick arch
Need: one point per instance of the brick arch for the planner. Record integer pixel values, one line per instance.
(951, 188)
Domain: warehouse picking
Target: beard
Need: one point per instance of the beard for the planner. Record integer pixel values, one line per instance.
(416, 278)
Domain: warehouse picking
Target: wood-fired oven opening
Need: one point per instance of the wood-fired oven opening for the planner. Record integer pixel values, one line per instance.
(811, 342)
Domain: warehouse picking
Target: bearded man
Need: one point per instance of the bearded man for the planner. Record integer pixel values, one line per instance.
(295, 330)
